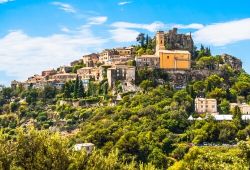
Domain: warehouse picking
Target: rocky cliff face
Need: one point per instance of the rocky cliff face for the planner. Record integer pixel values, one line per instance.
(232, 61)
(175, 41)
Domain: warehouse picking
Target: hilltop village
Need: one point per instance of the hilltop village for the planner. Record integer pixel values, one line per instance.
(171, 53)
(160, 104)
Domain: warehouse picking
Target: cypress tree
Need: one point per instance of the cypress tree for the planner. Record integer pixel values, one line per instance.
(76, 87)
(67, 91)
(81, 90)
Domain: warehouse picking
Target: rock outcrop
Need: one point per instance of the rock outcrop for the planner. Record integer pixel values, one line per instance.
(232, 61)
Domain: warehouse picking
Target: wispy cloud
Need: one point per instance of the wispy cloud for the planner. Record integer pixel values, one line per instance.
(124, 3)
(65, 29)
(150, 27)
(65, 7)
(189, 26)
(155, 26)
(220, 34)
(5, 1)
(127, 32)
(38, 53)
(97, 20)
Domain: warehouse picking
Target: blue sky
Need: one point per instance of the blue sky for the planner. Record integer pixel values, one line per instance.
(36, 35)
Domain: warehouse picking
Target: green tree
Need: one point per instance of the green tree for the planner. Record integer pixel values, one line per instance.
(81, 92)
(67, 90)
(146, 84)
(141, 39)
(76, 87)
(224, 106)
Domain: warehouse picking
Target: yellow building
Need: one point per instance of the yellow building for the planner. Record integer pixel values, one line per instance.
(175, 59)
(171, 59)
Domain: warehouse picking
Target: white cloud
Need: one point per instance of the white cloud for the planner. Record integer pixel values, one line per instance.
(220, 34)
(127, 32)
(65, 29)
(24, 55)
(124, 3)
(5, 1)
(155, 26)
(150, 27)
(65, 7)
(189, 26)
(123, 35)
(97, 20)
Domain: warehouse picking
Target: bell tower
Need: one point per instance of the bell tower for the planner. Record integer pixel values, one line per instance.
(160, 41)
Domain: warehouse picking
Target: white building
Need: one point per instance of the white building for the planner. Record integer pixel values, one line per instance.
(221, 117)
(87, 146)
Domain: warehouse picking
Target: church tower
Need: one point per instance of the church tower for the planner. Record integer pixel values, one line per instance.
(160, 42)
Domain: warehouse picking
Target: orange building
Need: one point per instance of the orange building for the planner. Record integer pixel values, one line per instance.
(175, 59)
(171, 59)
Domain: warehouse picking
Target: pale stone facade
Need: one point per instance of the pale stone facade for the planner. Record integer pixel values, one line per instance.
(116, 56)
(48, 73)
(65, 69)
(203, 105)
(87, 146)
(64, 77)
(125, 51)
(244, 108)
(107, 56)
(160, 42)
(120, 72)
(152, 61)
(88, 73)
(90, 60)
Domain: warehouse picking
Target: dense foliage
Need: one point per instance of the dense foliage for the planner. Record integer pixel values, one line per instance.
(147, 129)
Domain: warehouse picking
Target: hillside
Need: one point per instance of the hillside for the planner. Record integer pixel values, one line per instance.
(135, 113)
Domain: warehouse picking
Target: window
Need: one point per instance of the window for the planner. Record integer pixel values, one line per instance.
(167, 57)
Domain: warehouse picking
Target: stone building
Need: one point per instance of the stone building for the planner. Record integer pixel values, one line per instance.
(65, 69)
(203, 105)
(64, 77)
(103, 71)
(175, 41)
(14, 84)
(120, 72)
(117, 55)
(152, 61)
(88, 73)
(76, 62)
(90, 60)
(48, 73)
(107, 55)
(244, 108)
(126, 51)
(89, 147)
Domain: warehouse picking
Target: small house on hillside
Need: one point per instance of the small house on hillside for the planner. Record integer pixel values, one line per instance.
(87, 146)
